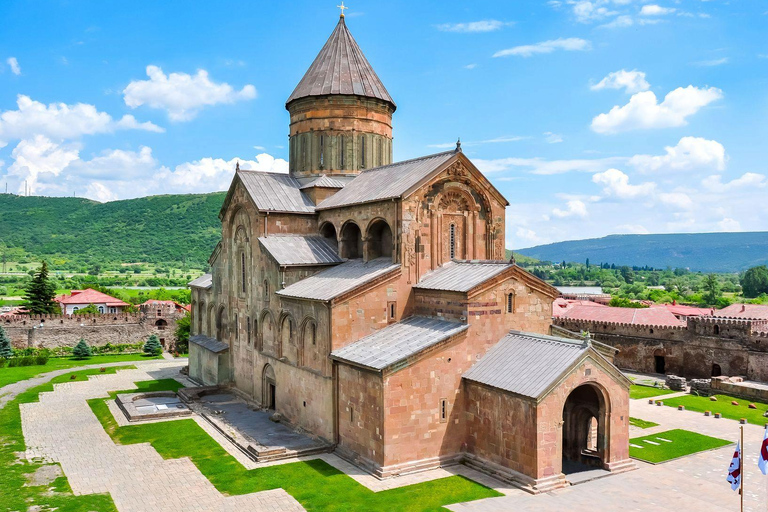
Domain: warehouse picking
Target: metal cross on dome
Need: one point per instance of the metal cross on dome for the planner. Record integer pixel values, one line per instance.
(342, 7)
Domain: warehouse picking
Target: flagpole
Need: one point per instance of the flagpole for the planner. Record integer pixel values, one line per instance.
(741, 467)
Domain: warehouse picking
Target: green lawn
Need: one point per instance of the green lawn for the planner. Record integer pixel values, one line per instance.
(723, 406)
(315, 484)
(19, 373)
(671, 445)
(15, 494)
(637, 391)
(637, 422)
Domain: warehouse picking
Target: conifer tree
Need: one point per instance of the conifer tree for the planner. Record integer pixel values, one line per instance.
(39, 295)
(5, 345)
(152, 347)
(81, 350)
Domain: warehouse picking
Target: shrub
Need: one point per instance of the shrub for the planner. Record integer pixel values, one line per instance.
(5, 345)
(41, 359)
(152, 347)
(81, 350)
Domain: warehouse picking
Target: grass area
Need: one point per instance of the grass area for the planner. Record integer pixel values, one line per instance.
(637, 391)
(671, 445)
(637, 422)
(723, 406)
(19, 373)
(315, 484)
(15, 492)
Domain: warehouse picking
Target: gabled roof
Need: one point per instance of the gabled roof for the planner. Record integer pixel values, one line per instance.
(753, 311)
(204, 281)
(208, 343)
(324, 182)
(386, 182)
(341, 68)
(274, 192)
(398, 342)
(293, 250)
(462, 276)
(633, 316)
(338, 280)
(90, 296)
(530, 364)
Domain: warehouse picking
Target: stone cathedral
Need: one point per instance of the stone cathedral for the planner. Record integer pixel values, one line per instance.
(369, 304)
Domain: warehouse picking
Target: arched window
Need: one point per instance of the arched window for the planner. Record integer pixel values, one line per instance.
(248, 330)
(453, 240)
(237, 329)
(322, 150)
(266, 291)
(242, 272)
(328, 231)
(717, 330)
(101, 309)
(510, 303)
(351, 241)
(341, 152)
(379, 240)
(362, 151)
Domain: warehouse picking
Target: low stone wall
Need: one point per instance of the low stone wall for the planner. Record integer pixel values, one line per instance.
(746, 390)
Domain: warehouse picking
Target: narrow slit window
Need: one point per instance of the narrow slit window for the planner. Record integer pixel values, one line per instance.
(341, 152)
(511, 303)
(362, 150)
(351, 414)
(443, 410)
(453, 241)
(322, 149)
(314, 334)
(237, 329)
(242, 272)
(248, 330)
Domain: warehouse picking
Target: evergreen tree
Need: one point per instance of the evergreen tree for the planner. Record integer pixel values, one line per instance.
(38, 297)
(152, 347)
(5, 345)
(81, 350)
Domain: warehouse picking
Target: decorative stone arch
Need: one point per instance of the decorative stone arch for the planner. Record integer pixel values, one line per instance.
(351, 241)
(221, 324)
(161, 324)
(379, 240)
(287, 341)
(267, 333)
(328, 231)
(454, 214)
(269, 387)
(586, 423)
(242, 260)
(308, 341)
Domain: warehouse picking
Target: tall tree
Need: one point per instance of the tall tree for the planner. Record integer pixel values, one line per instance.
(711, 290)
(5, 345)
(39, 294)
(755, 281)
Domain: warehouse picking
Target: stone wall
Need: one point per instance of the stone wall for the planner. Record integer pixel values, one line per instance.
(360, 417)
(721, 385)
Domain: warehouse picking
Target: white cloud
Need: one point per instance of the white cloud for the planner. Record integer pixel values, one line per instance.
(39, 158)
(631, 81)
(712, 63)
(473, 26)
(679, 200)
(570, 44)
(728, 224)
(616, 184)
(553, 138)
(61, 121)
(546, 167)
(752, 180)
(619, 22)
(14, 64)
(689, 153)
(100, 192)
(575, 208)
(180, 94)
(470, 66)
(497, 140)
(655, 10)
(644, 111)
(586, 11)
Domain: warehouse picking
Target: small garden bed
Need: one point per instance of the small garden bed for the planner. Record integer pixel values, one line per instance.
(671, 444)
(638, 391)
(723, 406)
(637, 422)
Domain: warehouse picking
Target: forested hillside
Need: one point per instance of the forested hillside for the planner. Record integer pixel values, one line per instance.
(706, 252)
(156, 229)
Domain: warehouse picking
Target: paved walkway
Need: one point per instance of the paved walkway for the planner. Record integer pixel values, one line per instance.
(61, 428)
(690, 484)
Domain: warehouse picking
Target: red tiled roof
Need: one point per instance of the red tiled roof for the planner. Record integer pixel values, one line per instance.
(680, 310)
(634, 316)
(758, 311)
(90, 296)
(560, 305)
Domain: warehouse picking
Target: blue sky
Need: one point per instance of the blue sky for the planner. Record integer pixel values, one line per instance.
(591, 117)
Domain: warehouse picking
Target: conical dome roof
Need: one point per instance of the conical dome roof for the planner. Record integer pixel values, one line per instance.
(341, 68)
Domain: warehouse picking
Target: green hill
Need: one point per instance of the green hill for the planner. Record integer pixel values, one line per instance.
(706, 252)
(156, 229)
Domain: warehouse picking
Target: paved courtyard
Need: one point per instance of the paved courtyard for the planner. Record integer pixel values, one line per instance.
(61, 428)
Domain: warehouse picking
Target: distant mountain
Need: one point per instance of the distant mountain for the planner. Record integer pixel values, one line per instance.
(158, 229)
(706, 252)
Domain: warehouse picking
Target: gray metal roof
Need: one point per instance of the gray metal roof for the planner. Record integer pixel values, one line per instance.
(341, 68)
(386, 182)
(462, 276)
(324, 182)
(335, 281)
(526, 364)
(209, 343)
(290, 250)
(398, 342)
(275, 192)
(204, 281)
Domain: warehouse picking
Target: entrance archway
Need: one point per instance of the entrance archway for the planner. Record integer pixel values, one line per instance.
(585, 418)
(269, 388)
(659, 363)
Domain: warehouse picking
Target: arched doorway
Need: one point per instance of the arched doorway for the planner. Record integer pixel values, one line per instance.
(269, 387)
(161, 324)
(351, 241)
(328, 231)
(379, 240)
(659, 362)
(584, 429)
(716, 370)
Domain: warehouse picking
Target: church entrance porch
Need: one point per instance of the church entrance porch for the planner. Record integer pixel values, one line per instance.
(584, 423)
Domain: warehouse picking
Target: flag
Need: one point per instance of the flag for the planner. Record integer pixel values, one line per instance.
(762, 459)
(734, 470)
